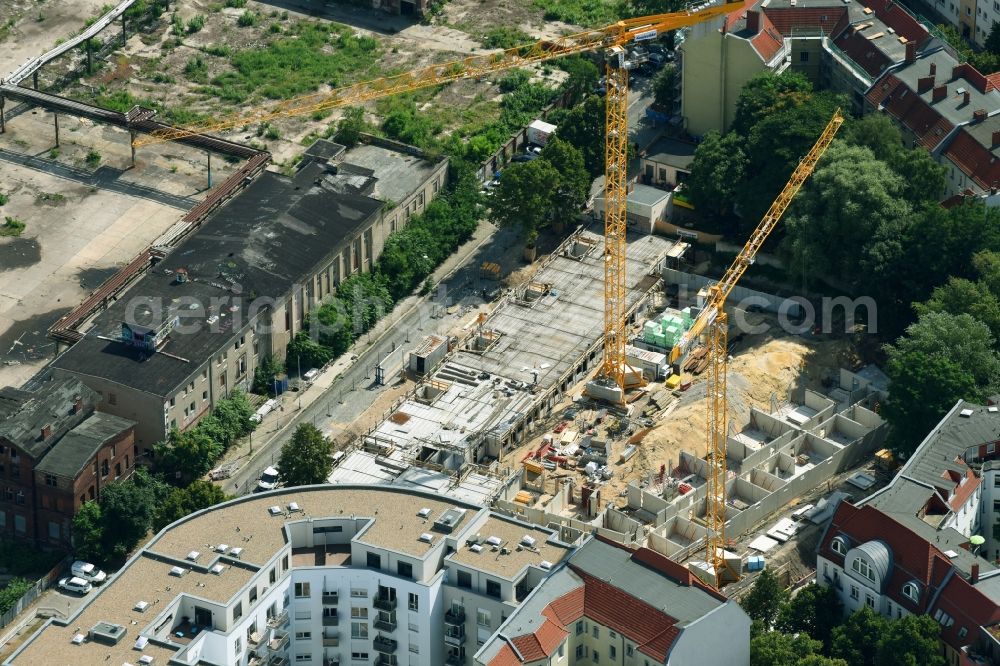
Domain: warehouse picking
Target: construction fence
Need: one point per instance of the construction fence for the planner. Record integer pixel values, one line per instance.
(35, 591)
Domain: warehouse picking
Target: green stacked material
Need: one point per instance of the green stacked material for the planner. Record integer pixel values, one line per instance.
(667, 331)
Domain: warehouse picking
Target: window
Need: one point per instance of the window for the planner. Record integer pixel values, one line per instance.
(359, 594)
(374, 561)
(404, 569)
(612, 652)
(962, 632)
(870, 600)
(861, 566)
(562, 650)
(359, 630)
(596, 656)
(20, 525)
(464, 579)
(838, 546)
(414, 648)
(359, 613)
(303, 657)
(492, 588)
(253, 594)
(303, 635)
(301, 590)
(911, 591)
(54, 530)
(238, 647)
(579, 628)
(596, 631)
(628, 650)
(413, 602)
(237, 611)
(112, 399)
(579, 652)
(204, 395)
(804, 56)
(359, 656)
(854, 592)
(482, 617)
(412, 627)
(50, 480)
(611, 634)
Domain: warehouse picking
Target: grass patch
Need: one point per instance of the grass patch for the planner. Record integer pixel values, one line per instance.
(505, 37)
(93, 158)
(247, 19)
(11, 227)
(588, 13)
(195, 24)
(238, 4)
(196, 70)
(4, 198)
(313, 54)
(47, 197)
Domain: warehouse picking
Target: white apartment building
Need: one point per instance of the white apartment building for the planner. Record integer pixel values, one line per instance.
(346, 575)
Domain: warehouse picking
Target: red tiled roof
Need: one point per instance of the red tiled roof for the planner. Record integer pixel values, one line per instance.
(911, 110)
(505, 657)
(862, 51)
(974, 159)
(732, 18)
(969, 607)
(895, 17)
(653, 630)
(964, 491)
(767, 42)
(992, 81)
(567, 609)
(827, 18)
(540, 644)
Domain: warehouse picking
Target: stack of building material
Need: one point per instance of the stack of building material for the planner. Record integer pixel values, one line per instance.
(667, 331)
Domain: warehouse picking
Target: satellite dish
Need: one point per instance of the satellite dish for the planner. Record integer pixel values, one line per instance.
(977, 540)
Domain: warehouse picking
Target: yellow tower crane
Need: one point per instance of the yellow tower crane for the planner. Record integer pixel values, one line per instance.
(712, 322)
(611, 38)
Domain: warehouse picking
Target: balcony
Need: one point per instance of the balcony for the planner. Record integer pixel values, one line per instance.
(455, 616)
(386, 660)
(454, 637)
(279, 620)
(455, 660)
(385, 603)
(386, 625)
(330, 598)
(384, 644)
(278, 642)
(331, 621)
(332, 660)
(331, 640)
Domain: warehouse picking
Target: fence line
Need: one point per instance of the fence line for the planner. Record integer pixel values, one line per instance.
(35, 591)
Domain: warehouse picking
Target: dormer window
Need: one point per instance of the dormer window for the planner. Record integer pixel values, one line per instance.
(861, 566)
(911, 591)
(839, 545)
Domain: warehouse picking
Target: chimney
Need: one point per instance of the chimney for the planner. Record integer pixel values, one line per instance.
(77, 404)
(924, 84)
(957, 71)
(46, 432)
(996, 139)
(974, 574)
(965, 97)
(939, 93)
(911, 52)
(753, 22)
(933, 68)
(979, 115)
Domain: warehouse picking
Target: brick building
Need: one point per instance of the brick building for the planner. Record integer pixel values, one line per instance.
(56, 452)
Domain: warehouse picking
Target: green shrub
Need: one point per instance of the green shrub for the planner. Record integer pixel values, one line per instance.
(11, 226)
(93, 158)
(247, 19)
(196, 70)
(238, 4)
(4, 198)
(177, 25)
(505, 37)
(195, 24)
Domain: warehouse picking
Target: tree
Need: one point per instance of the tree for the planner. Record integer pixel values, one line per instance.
(582, 77)
(583, 126)
(876, 132)
(234, 414)
(911, 641)
(820, 660)
(769, 93)
(992, 43)
(856, 640)
(88, 532)
(185, 456)
(127, 511)
(306, 351)
(12, 592)
(306, 458)
(924, 178)
(181, 502)
(665, 87)
(717, 173)
(814, 610)
(263, 375)
(765, 599)
(350, 127)
(573, 186)
(962, 296)
(774, 648)
(524, 197)
(850, 195)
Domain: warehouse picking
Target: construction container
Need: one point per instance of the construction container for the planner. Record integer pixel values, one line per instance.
(755, 563)
(532, 467)
(673, 382)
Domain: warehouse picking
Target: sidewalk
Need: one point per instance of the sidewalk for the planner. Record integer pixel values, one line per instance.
(276, 425)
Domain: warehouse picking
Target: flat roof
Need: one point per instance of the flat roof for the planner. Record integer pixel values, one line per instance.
(266, 239)
(669, 151)
(953, 106)
(399, 174)
(510, 532)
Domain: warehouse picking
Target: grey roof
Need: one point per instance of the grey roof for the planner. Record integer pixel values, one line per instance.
(325, 149)
(672, 152)
(989, 584)
(78, 446)
(398, 174)
(24, 414)
(983, 133)
(616, 566)
(880, 557)
(268, 238)
(952, 107)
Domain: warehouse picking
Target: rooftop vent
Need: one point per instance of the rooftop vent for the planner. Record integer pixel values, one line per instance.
(146, 659)
(426, 537)
(966, 413)
(140, 643)
(217, 569)
(274, 510)
(951, 554)
(107, 633)
(78, 639)
(293, 507)
(193, 555)
(545, 564)
(449, 519)
(476, 548)
(178, 571)
(222, 547)
(494, 541)
(141, 606)
(992, 410)
(528, 541)
(424, 513)
(235, 552)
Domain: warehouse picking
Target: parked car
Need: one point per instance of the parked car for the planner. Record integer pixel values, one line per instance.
(534, 150)
(75, 585)
(524, 157)
(268, 479)
(657, 60)
(88, 572)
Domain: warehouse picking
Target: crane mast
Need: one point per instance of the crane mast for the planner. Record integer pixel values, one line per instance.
(713, 321)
